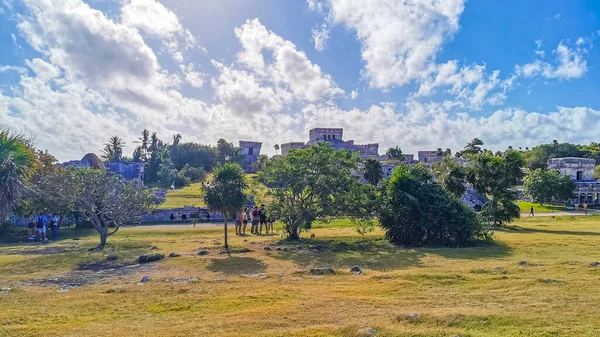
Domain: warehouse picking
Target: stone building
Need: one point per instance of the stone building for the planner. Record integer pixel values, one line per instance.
(133, 172)
(429, 157)
(581, 171)
(335, 138)
(250, 152)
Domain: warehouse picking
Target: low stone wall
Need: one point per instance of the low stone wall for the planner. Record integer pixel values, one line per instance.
(191, 213)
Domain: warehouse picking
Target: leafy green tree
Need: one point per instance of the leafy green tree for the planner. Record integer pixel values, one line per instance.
(591, 151)
(17, 165)
(144, 143)
(372, 171)
(109, 201)
(261, 162)
(113, 150)
(597, 172)
(276, 149)
(310, 184)
(225, 193)
(495, 177)
(394, 153)
(176, 139)
(227, 153)
(539, 155)
(137, 155)
(194, 174)
(546, 186)
(416, 211)
(450, 175)
(46, 162)
(55, 192)
(194, 155)
(473, 147)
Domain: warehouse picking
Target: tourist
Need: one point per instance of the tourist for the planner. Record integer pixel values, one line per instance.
(585, 207)
(183, 217)
(255, 220)
(31, 226)
(40, 223)
(244, 220)
(531, 211)
(262, 215)
(54, 225)
(238, 222)
(172, 217)
(173, 187)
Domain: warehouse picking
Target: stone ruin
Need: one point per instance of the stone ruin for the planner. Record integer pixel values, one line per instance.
(250, 153)
(133, 172)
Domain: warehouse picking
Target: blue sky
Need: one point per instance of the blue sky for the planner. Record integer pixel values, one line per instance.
(420, 74)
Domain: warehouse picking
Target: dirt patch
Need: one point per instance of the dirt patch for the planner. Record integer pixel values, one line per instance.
(38, 250)
(91, 273)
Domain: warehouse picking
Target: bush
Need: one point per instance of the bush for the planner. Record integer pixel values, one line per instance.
(11, 233)
(195, 174)
(416, 211)
(168, 175)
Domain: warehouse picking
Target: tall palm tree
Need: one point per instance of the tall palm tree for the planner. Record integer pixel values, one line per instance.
(372, 171)
(113, 150)
(451, 176)
(176, 139)
(17, 164)
(276, 149)
(225, 193)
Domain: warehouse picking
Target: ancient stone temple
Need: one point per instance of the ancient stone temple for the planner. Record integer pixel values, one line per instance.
(429, 157)
(133, 172)
(581, 171)
(250, 153)
(334, 136)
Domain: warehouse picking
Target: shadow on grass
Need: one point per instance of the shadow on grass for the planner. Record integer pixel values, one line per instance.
(375, 253)
(237, 265)
(521, 230)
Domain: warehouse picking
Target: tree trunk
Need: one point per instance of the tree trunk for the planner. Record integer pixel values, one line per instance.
(293, 233)
(225, 229)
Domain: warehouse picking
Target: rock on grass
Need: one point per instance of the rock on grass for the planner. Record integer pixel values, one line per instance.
(146, 258)
(322, 271)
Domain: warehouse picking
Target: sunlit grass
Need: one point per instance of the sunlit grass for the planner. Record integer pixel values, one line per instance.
(475, 291)
(525, 207)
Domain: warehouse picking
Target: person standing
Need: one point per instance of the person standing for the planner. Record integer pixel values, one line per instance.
(262, 217)
(238, 222)
(244, 220)
(32, 230)
(531, 211)
(585, 206)
(40, 223)
(255, 221)
(54, 225)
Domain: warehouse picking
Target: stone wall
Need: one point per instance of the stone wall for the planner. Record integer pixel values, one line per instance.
(429, 157)
(286, 147)
(250, 152)
(325, 134)
(164, 215)
(130, 171)
(571, 166)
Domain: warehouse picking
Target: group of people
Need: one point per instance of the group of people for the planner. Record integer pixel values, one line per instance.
(39, 226)
(257, 216)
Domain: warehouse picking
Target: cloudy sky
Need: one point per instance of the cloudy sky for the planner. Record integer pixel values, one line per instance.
(420, 74)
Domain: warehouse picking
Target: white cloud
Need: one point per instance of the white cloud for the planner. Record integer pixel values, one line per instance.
(192, 77)
(154, 19)
(18, 69)
(315, 5)
(570, 63)
(320, 35)
(353, 94)
(289, 67)
(42, 69)
(400, 39)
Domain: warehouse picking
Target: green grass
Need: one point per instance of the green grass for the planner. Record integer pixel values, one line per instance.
(476, 291)
(525, 206)
(188, 196)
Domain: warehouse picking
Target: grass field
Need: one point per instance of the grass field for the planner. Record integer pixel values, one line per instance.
(476, 291)
(525, 206)
(193, 196)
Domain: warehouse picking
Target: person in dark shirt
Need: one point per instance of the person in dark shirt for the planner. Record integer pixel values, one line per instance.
(262, 217)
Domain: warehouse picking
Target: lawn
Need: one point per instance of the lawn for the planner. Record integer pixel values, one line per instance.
(525, 207)
(536, 280)
(193, 196)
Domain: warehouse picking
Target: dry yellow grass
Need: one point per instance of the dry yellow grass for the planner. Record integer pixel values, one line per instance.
(477, 291)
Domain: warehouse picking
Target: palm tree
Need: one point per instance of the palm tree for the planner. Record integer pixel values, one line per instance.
(113, 150)
(451, 176)
(225, 193)
(176, 139)
(372, 171)
(17, 165)
(394, 153)
(144, 140)
(276, 149)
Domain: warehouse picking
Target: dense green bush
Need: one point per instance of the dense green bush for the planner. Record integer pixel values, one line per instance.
(417, 211)
(195, 174)
(169, 175)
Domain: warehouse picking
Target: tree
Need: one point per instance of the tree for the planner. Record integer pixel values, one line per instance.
(46, 163)
(495, 177)
(546, 186)
(113, 150)
(261, 162)
(473, 147)
(276, 149)
(416, 211)
(109, 201)
(450, 175)
(227, 153)
(372, 171)
(539, 155)
(144, 142)
(225, 193)
(394, 153)
(17, 165)
(137, 155)
(176, 139)
(310, 184)
(55, 192)
(597, 172)
(439, 152)
(194, 155)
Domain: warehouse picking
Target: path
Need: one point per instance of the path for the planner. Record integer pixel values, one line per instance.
(565, 213)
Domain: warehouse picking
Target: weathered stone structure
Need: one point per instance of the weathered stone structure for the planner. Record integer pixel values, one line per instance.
(250, 153)
(581, 171)
(334, 136)
(133, 172)
(429, 157)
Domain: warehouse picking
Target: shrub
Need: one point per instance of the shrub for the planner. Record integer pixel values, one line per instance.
(417, 211)
(195, 174)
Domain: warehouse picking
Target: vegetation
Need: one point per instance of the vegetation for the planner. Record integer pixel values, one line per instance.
(17, 165)
(372, 171)
(525, 207)
(113, 150)
(394, 153)
(450, 175)
(417, 211)
(54, 193)
(310, 184)
(225, 193)
(546, 186)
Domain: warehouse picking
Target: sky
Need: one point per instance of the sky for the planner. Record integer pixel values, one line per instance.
(419, 74)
